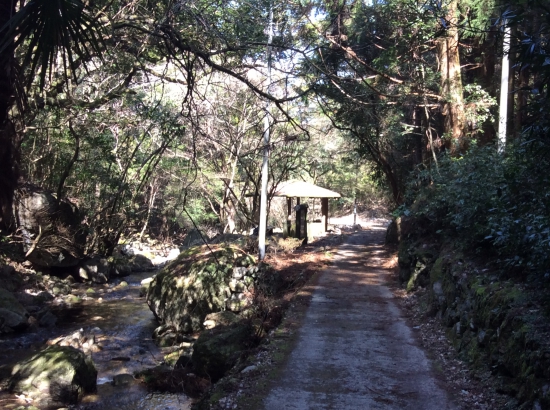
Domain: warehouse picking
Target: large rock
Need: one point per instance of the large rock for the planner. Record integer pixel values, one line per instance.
(95, 269)
(196, 284)
(140, 263)
(415, 262)
(58, 374)
(51, 230)
(13, 316)
(216, 351)
(120, 266)
(10, 279)
(224, 318)
(193, 238)
(392, 233)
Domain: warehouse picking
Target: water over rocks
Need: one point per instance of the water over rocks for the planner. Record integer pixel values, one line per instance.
(50, 307)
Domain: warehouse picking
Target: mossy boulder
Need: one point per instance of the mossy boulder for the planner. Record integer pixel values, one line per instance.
(216, 351)
(140, 263)
(120, 266)
(224, 318)
(415, 262)
(196, 284)
(57, 374)
(13, 316)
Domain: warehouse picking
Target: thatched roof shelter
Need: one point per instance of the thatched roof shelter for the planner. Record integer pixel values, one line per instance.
(300, 189)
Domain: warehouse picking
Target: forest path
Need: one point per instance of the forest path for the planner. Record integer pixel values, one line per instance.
(354, 349)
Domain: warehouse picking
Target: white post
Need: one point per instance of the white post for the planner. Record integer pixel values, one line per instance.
(263, 198)
(355, 211)
(503, 111)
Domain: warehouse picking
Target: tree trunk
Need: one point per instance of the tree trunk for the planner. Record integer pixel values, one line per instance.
(229, 205)
(8, 153)
(153, 191)
(230, 214)
(451, 83)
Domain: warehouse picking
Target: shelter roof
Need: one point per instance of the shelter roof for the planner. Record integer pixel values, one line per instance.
(300, 189)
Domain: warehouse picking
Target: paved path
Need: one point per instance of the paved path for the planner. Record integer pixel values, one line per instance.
(354, 349)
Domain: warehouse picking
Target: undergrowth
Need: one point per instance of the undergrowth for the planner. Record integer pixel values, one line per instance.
(493, 204)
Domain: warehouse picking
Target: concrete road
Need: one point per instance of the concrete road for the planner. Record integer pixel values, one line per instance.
(355, 350)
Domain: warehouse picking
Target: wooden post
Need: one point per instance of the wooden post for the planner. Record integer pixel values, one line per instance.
(301, 222)
(298, 222)
(297, 233)
(324, 212)
(289, 216)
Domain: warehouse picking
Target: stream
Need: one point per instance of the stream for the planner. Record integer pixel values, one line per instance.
(122, 324)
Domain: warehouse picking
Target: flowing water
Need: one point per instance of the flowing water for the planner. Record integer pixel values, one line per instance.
(122, 324)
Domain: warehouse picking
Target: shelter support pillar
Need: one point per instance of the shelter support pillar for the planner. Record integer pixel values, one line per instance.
(301, 221)
(289, 217)
(297, 224)
(324, 212)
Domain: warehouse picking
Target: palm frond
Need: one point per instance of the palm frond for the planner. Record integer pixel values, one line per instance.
(52, 28)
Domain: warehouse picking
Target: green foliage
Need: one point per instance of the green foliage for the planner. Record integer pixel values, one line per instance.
(478, 105)
(154, 134)
(492, 203)
(381, 96)
(199, 212)
(477, 16)
(534, 55)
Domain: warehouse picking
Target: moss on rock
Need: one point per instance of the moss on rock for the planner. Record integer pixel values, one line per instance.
(58, 374)
(216, 351)
(490, 325)
(415, 262)
(196, 284)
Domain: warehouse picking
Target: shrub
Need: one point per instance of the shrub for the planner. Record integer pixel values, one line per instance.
(493, 203)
